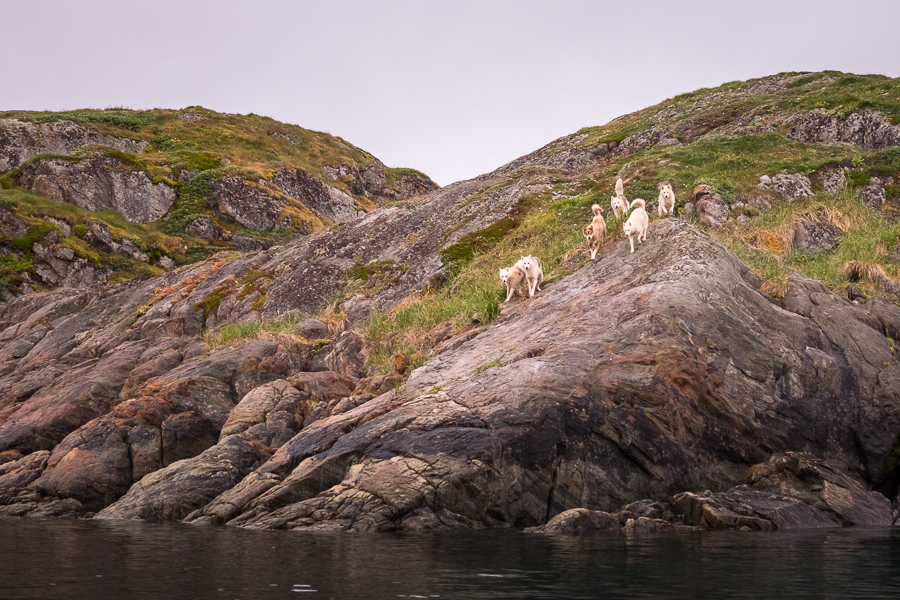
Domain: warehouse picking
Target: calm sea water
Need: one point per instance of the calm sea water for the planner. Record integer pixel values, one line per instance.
(123, 560)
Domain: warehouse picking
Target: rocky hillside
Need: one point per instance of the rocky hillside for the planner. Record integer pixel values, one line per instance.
(133, 193)
(737, 370)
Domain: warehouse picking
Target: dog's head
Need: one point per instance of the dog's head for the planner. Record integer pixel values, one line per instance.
(526, 262)
(628, 228)
(666, 191)
(504, 275)
(589, 232)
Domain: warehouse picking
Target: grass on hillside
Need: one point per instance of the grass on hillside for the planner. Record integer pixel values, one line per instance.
(839, 93)
(235, 332)
(861, 258)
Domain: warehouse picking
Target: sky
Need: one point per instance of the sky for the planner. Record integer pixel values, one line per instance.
(452, 88)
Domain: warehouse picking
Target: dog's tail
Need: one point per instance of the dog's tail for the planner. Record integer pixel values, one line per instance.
(638, 202)
(620, 187)
(596, 208)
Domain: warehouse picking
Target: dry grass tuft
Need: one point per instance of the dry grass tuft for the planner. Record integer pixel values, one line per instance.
(856, 270)
(834, 216)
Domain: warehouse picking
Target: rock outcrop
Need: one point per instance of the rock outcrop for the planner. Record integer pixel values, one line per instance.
(20, 140)
(99, 184)
(867, 129)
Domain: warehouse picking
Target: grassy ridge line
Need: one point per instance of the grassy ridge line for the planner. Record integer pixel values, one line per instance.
(214, 140)
(839, 93)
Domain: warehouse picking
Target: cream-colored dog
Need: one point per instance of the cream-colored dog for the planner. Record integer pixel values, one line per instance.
(637, 224)
(534, 273)
(513, 277)
(619, 202)
(596, 231)
(666, 199)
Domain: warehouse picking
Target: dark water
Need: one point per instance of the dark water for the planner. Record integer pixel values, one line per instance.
(99, 560)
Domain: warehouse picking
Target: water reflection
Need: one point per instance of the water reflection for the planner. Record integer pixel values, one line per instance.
(85, 559)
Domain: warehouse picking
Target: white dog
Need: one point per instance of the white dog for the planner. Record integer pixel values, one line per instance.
(512, 277)
(533, 273)
(637, 223)
(666, 199)
(619, 203)
(596, 231)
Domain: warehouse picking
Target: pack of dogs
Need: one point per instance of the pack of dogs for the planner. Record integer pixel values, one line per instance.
(528, 269)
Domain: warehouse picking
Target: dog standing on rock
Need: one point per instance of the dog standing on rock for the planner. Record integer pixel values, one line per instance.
(512, 276)
(596, 231)
(619, 203)
(637, 223)
(533, 273)
(666, 199)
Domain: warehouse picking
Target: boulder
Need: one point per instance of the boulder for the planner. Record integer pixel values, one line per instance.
(812, 235)
(346, 354)
(792, 186)
(205, 227)
(760, 203)
(326, 200)
(822, 487)
(712, 211)
(171, 493)
(834, 181)
(888, 314)
(312, 329)
(253, 206)
(872, 193)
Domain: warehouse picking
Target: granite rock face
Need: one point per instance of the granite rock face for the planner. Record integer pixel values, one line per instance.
(99, 184)
(866, 129)
(20, 140)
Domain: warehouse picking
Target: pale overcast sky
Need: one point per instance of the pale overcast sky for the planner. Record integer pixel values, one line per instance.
(454, 89)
